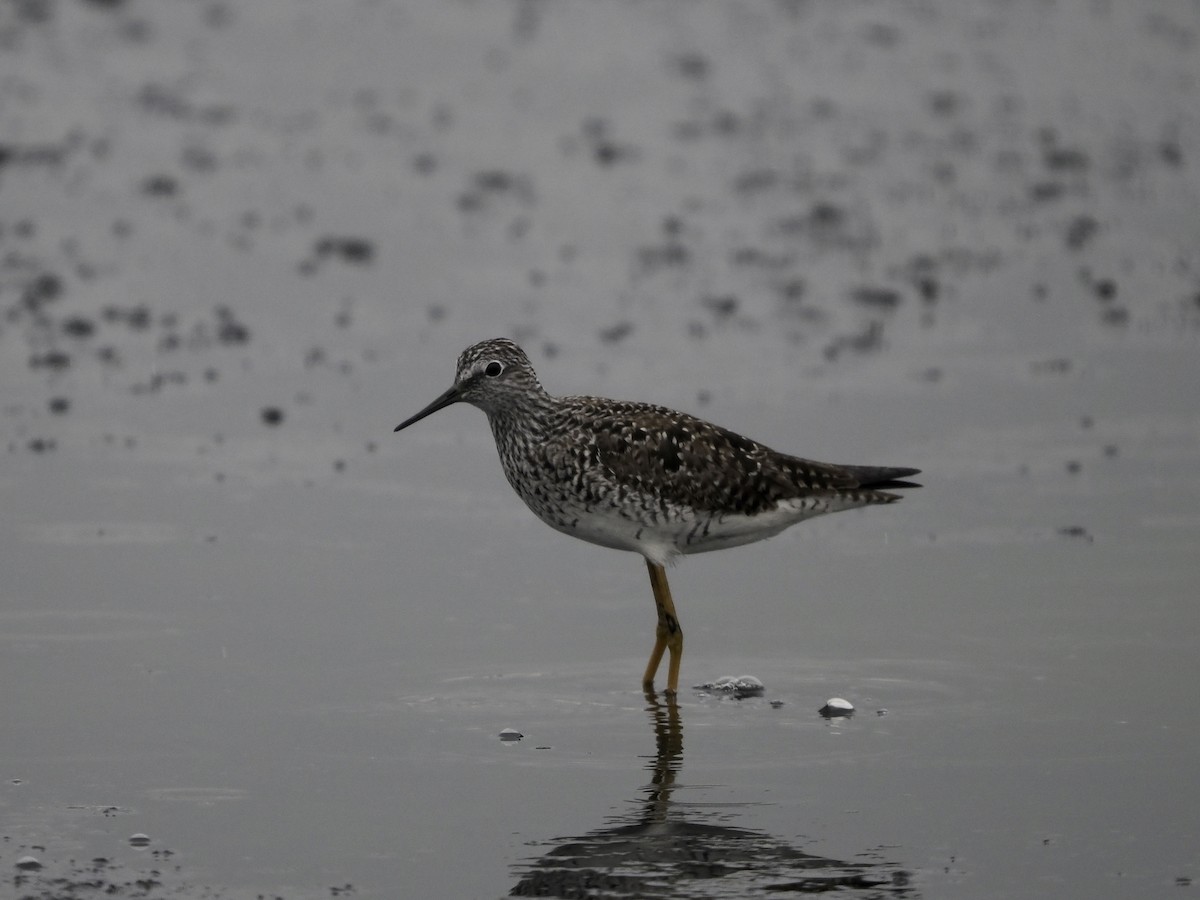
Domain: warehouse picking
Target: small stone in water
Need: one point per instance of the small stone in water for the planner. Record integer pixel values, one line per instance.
(836, 706)
(139, 840)
(742, 685)
(28, 864)
(510, 734)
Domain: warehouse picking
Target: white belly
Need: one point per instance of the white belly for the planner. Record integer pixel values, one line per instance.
(661, 538)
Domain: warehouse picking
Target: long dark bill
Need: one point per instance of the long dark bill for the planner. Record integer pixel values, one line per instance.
(451, 396)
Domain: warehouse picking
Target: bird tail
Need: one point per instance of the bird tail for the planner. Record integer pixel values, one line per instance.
(882, 478)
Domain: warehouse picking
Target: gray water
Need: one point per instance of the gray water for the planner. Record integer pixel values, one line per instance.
(239, 243)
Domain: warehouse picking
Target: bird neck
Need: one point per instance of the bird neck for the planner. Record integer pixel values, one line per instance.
(522, 420)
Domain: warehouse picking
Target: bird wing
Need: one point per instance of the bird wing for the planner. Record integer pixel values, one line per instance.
(686, 461)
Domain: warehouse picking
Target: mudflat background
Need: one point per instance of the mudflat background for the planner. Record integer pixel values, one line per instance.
(252, 644)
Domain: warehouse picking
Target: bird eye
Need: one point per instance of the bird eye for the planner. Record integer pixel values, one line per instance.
(493, 369)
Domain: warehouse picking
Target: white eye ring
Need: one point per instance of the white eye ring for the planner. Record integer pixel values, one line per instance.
(494, 368)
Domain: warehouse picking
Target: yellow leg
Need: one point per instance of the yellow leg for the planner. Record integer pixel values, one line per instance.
(668, 635)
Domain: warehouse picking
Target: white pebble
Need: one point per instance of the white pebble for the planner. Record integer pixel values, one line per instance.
(837, 706)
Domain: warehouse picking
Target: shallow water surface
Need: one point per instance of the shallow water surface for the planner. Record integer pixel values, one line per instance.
(242, 619)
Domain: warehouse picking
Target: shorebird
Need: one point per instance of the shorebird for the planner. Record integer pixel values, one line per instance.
(639, 477)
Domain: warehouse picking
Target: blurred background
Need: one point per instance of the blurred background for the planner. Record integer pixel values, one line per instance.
(239, 242)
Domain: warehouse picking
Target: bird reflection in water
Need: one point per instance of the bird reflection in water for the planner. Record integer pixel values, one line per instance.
(663, 851)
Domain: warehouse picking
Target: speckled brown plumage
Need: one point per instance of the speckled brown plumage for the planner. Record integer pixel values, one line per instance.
(646, 478)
